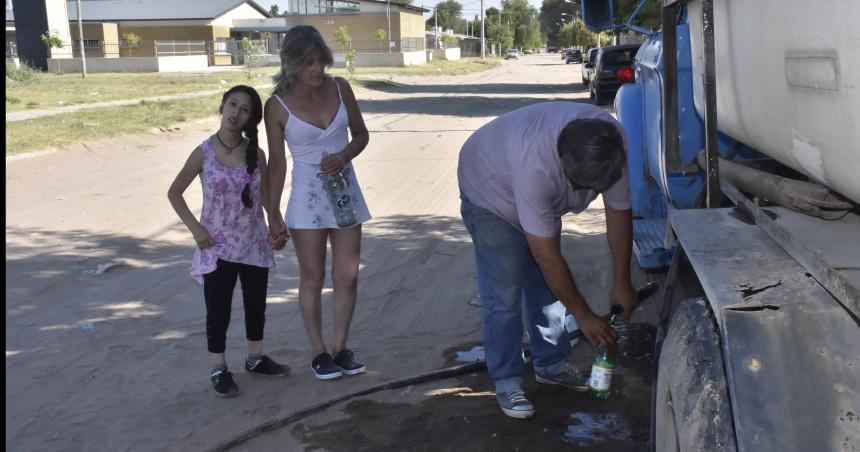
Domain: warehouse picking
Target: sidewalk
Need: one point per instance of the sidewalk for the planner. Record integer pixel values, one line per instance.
(31, 114)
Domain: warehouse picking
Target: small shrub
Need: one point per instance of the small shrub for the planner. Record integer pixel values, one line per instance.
(52, 39)
(25, 73)
(251, 57)
(131, 39)
(350, 63)
(13, 100)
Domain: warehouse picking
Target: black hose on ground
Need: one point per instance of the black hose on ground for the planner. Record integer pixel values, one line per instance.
(440, 374)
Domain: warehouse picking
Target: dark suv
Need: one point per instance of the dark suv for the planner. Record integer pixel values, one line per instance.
(574, 56)
(613, 67)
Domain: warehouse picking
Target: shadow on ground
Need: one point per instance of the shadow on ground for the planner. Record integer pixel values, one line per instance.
(465, 106)
(488, 88)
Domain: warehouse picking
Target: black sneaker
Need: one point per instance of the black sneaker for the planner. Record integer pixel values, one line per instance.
(222, 381)
(324, 367)
(268, 367)
(346, 361)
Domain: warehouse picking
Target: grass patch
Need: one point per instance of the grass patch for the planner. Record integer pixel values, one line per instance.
(49, 90)
(70, 89)
(64, 129)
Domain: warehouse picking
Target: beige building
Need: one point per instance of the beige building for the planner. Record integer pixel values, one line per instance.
(363, 18)
(159, 28)
(132, 29)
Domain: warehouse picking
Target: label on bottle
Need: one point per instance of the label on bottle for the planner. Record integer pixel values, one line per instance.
(343, 202)
(600, 378)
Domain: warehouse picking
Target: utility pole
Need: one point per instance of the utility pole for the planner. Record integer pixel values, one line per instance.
(483, 19)
(436, 27)
(387, 15)
(81, 36)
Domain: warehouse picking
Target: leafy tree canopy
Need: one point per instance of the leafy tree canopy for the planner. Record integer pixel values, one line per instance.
(448, 14)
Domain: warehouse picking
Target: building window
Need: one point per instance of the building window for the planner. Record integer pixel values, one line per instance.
(311, 7)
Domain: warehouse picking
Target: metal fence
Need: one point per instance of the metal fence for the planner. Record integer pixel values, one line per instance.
(174, 48)
(374, 45)
(439, 43)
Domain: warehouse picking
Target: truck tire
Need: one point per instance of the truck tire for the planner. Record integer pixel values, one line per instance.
(691, 408)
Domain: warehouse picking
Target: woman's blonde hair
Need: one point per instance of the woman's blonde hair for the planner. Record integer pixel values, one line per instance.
(298, 46)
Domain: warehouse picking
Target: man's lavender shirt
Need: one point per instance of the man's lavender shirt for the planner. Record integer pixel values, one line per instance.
(511, 167)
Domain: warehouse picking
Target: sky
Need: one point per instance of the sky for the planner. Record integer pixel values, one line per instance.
(470, 7)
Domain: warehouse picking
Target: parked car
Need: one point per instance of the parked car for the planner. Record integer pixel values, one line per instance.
(527, 52)
(588, 65)
(613, 67)
(574, 56)
(512, 53)
(551, 49)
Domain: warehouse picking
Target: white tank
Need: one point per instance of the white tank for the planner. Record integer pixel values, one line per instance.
(788, 82)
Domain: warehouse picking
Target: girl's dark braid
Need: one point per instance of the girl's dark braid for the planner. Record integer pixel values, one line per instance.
(250, 161)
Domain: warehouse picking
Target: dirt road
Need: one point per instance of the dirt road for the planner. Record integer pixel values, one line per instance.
(112, 357)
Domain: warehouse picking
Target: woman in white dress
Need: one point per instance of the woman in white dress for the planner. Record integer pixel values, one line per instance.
(311, 111)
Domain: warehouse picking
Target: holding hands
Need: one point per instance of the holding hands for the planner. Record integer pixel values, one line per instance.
(278, 233)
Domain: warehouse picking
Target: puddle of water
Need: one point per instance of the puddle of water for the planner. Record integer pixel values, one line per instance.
(469, 356)
(589, 429)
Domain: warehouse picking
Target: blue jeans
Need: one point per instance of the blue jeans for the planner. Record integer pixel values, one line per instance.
(510, 284)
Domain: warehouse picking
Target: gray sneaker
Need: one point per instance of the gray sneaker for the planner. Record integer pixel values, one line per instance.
(515, 404)
(571, 378)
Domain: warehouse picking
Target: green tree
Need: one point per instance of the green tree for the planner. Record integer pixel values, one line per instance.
(250, 57)
(492, 14)
(341, 35)
(274, 10)
(522, 20)
(448, 13)
(131, 39)
(500, 34)
(380, 35)
(449, 41)
(52, 39)
(554, 14)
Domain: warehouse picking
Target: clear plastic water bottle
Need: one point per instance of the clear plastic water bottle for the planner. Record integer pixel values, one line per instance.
(337, 188)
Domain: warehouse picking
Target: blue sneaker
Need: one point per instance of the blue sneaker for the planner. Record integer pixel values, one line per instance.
(515, 404)
(268, 367)
(345, 359)
(222, 381)
(570, 377)
(324, 367)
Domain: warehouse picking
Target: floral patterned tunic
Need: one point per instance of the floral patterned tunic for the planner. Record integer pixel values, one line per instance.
(240, 233)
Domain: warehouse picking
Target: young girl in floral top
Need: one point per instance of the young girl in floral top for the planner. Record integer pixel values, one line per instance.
(232, 236)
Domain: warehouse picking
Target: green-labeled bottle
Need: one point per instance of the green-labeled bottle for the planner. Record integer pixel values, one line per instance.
(602, 368)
